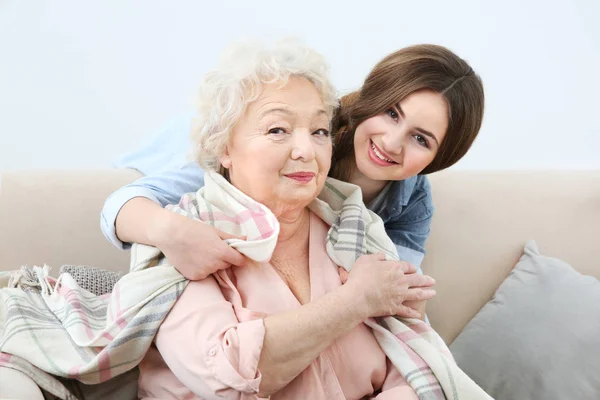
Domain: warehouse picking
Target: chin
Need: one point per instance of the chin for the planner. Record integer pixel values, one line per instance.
(373, 172)
(303, 195)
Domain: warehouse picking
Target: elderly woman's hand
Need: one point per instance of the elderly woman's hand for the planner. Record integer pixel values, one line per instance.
(386, 285)
(196, 249)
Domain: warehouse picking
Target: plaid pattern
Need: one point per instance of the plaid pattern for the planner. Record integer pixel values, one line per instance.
(58, 328)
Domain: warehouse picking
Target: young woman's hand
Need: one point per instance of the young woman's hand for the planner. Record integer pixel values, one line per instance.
(388, 287)
(194, 248)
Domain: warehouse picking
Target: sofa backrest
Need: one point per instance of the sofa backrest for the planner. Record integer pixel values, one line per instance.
(53, 217)
(481, 223)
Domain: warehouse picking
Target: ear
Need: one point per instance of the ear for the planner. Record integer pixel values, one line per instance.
(225, 159)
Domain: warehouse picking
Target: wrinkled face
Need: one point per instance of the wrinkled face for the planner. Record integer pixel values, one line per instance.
(402, 141)
(279, 152)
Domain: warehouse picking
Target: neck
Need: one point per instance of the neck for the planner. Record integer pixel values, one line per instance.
(293, 234)
(370, 188)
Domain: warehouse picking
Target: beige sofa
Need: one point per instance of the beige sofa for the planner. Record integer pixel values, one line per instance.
(481, 223)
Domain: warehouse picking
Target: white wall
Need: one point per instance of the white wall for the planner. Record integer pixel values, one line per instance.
(82, 82)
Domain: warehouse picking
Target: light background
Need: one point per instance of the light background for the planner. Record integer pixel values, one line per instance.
(83, 82)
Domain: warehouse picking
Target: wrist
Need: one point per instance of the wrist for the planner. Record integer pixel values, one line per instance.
(357, 305)
(161, 225)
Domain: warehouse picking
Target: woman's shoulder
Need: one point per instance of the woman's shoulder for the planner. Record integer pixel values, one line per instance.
(409, 191)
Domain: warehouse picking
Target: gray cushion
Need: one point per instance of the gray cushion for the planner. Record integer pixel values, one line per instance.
(95, 280)
(539, 337)
(121, 387)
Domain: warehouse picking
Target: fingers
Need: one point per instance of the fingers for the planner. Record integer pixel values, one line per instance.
(233, 257)
(229, 255)
(418, 280)
(225, 235)
(407, 312)
(407, 267)
(419, 294)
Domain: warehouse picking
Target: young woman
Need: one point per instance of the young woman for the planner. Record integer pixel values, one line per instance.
(418, 111)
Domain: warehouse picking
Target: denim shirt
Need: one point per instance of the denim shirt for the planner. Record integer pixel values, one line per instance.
(406, 209)
(405, 206)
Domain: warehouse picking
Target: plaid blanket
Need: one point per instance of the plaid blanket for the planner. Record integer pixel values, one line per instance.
(55, 328)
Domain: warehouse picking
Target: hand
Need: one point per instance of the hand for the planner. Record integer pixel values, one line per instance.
(417, 305)
(387, 285)
(197, 249)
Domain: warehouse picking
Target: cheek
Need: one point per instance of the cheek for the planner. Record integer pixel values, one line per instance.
(360, 134)
(418, 160)
(255, 158)
(325, 152)
(371, 126)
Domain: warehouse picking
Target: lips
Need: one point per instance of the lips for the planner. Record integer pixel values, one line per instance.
(379, 157)
(301, 176)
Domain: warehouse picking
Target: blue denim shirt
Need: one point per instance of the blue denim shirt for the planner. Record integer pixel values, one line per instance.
(406, 210)
(405, 206)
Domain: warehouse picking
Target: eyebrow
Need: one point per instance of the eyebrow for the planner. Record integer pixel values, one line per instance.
(286, 111)
(420, 130)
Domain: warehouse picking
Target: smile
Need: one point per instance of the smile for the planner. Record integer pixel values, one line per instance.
(377, 156)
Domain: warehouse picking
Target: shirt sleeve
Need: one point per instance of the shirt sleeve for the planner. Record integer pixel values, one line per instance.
(409, 229)
(167, 149)
(207, 348)
(163, 188)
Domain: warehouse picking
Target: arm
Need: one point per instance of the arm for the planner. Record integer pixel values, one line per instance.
(135, 213)
(410, 229)
(161, 189)
(415, 231)
(409, 233)
(212, 353)
(169, 175)
(295, 338)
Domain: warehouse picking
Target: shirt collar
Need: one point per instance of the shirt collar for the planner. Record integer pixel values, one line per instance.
(393, 198)
(403, 190)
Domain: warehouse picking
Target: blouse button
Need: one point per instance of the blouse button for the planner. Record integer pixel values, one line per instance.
(212, 352)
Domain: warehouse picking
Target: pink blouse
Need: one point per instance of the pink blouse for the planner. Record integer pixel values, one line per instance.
(210, 343)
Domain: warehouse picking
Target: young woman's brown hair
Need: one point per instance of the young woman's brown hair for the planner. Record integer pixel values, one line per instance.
(395, 77)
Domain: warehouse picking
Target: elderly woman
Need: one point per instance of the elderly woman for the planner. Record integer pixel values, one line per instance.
(284, 327)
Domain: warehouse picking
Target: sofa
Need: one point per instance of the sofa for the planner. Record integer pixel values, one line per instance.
(481, 223)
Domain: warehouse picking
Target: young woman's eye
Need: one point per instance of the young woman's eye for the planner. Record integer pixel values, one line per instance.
(321, 132)
(422, 140)
(277, 131)
(393, 114)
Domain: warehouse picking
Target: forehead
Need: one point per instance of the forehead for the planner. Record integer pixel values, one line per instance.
(297, 95)
(427, 110)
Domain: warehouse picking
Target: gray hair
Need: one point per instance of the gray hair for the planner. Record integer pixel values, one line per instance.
(225, 92)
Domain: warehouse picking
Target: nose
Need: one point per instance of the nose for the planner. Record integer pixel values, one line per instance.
(393, 141)
(302, 146)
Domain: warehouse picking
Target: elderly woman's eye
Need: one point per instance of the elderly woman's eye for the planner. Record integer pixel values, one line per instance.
(277, 131)
(321, 132)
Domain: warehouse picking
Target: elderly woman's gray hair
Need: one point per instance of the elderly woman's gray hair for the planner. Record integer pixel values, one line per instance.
(225, 93)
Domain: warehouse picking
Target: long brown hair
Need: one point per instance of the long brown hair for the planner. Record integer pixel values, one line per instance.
(395, 77)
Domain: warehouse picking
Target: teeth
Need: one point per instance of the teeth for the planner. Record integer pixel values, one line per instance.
(379, 155)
